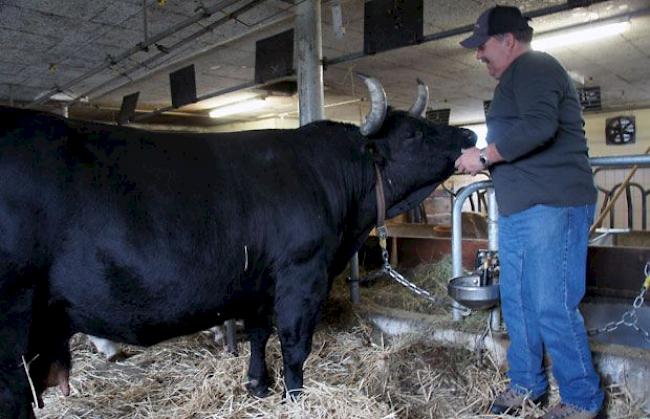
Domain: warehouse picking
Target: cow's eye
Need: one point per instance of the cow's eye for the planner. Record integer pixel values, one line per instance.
(412, 137)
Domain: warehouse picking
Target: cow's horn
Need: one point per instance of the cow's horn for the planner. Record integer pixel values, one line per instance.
(421, 102)
(375, 117)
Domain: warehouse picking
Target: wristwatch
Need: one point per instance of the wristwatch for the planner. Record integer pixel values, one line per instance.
(482, 156)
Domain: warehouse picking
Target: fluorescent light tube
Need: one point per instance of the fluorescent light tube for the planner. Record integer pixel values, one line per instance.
(239, 107)
(578, 35)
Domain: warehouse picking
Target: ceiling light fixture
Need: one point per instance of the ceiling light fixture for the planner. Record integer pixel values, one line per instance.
(239, 107)
(578, 35)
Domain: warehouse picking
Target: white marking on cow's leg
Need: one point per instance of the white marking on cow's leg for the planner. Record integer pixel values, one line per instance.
(245, 258)
(218, 335)
(105, 346)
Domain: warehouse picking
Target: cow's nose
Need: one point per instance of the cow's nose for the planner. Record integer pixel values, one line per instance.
(469, 138)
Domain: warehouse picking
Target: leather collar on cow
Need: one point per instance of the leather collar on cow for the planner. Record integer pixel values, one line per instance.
(382, 233)
(383, 212)
(381, 198)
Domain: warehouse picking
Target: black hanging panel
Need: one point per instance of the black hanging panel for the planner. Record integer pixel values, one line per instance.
(390, 24)
(274, 57)
(183, 86)
(127, 110)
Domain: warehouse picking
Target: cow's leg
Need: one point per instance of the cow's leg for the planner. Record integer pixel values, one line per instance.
(258, 330)
(16, 307)
(300, 291)
(51, 368)
(108, 348)
(50, 350)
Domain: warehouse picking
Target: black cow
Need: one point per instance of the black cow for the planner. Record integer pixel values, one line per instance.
(140, 236)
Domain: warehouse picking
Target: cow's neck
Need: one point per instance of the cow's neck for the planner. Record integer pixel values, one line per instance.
(363, 208)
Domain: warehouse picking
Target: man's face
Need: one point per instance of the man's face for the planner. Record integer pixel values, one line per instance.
(496, 53)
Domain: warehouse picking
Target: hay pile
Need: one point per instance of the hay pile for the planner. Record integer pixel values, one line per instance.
(346, 376)
(432, 277)
(353, 372)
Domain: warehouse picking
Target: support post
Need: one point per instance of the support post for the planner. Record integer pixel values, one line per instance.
(309, 50)
(355, 297)
(231, 336)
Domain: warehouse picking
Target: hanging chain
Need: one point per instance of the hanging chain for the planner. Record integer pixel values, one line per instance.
(391, 272)
(629, 318)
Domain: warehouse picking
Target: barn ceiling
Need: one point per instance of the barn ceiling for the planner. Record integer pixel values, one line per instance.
(95, 52)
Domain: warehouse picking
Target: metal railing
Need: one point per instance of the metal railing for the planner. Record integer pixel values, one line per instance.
(463, 194)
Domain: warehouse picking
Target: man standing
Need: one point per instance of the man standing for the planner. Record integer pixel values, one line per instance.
(537, 155)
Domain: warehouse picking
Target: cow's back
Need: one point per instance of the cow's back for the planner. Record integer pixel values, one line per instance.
(167, 230)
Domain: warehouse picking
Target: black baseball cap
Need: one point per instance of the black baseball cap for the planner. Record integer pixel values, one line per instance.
(494, 21)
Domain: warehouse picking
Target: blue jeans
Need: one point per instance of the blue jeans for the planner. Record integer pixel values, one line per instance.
(542, 255)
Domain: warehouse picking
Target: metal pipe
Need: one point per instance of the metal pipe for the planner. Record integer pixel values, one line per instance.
(493, 245)
(621, 161)
(211, 10)
(355, 296)
(428, 38)
(469, 28)
(177, 45)
(231, 336)
(235, 38)
(493, 220)
(457, 226)
(207, 12)
(144, 21)
(309, 54)
(457, 233)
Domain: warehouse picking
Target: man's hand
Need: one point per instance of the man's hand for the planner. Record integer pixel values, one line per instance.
(469, 161)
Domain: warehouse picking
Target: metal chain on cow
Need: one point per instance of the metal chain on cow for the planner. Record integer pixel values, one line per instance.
(382, 234)
(629, 318)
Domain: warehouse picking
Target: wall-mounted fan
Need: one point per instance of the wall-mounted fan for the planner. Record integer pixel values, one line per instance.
(620, 130)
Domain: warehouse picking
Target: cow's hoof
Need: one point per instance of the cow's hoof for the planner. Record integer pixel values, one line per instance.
(257, 389)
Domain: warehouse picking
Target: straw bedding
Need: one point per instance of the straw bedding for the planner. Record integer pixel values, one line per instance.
(353, 372)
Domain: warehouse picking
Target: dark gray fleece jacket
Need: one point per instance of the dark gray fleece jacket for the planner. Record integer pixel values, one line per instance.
(535, 121)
